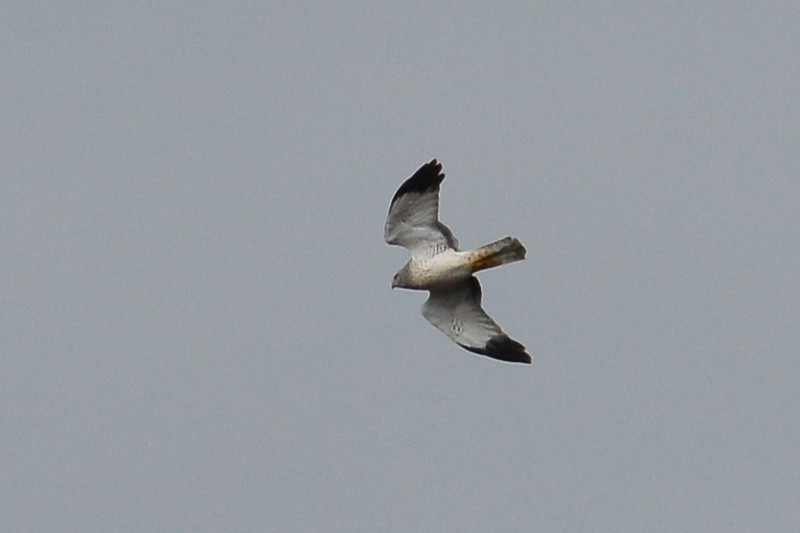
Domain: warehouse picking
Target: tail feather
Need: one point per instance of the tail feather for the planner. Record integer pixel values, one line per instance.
(498, 253)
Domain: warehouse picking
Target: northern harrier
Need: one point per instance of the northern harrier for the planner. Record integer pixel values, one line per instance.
(437, 265)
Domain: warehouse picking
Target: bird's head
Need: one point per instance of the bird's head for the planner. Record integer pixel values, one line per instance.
(401, 278)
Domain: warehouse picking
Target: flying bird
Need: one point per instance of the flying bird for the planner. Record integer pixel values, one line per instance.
(438, 266)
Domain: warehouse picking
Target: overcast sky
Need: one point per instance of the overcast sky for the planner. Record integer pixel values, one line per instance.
(198, 331)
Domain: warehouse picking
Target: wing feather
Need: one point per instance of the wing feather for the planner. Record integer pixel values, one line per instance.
(457, 312)
(413, 219)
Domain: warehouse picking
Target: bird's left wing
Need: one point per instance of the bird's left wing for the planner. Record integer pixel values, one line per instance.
(457, 312)
(413, 220)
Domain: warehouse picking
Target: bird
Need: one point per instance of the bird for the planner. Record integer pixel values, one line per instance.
(438, 266)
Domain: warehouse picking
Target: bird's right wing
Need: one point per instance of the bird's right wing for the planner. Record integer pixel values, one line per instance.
(457, 312)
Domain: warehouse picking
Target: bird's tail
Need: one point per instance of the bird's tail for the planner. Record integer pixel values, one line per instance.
(497, 253)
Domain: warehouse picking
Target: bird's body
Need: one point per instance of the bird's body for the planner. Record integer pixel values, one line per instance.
(437, 265)
(451, 267)
(436, 271)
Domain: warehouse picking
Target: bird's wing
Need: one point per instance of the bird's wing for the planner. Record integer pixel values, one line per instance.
(457, 312)
(413, 220)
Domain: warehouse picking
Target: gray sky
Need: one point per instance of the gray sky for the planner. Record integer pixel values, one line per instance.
(198, 331)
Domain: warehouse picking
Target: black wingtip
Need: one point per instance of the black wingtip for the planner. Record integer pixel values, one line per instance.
(427, 177)
(503, 348)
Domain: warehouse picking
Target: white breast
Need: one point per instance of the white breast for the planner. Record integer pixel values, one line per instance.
(441, 269)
